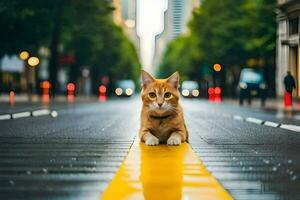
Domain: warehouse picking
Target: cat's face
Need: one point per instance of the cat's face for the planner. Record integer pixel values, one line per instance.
(160, 95)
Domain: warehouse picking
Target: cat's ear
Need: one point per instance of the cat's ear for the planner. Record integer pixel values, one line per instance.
(146, 78)
(174, 80)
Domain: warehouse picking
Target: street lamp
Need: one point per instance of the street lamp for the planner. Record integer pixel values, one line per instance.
(217, 67)
(33, 61)
(24, 55)
(31, 76)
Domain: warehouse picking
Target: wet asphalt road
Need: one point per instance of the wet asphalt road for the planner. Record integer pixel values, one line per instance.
(76, 154)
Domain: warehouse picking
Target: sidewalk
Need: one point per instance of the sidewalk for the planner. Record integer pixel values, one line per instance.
(274, 104)
(24, 98)
(22, 103)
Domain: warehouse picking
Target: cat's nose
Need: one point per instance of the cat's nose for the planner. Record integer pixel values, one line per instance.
(160, 104)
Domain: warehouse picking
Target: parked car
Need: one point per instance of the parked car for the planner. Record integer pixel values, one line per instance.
(190, 89)
(252, 84)
(125, 88)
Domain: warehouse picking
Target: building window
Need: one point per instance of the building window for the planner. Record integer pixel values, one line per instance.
(294, 26)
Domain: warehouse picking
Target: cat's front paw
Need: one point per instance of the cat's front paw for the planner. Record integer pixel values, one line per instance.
(151, 141)
(174, 140)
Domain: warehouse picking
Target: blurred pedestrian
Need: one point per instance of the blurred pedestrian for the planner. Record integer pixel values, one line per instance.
(290, 85)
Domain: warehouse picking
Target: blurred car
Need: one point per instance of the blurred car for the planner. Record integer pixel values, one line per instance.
(252, 84)
(125, 88)
(190, 89)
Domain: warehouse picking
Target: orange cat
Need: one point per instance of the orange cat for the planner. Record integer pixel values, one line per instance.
(161, 117)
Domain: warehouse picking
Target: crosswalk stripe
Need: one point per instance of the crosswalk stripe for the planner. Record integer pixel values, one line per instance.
(163, 172)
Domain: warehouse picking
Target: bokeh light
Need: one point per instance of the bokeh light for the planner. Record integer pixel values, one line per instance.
(24, 55)
(102, 89)
(45, 85)
(33, 61)
(118, 91)
(217, 67)
(218, 90)
(195, 93)
(71, 86)
(211, 90)
(185, 92)
(128, 91)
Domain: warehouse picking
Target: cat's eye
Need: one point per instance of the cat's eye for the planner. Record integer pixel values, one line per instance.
(152, 95)
(167, 94)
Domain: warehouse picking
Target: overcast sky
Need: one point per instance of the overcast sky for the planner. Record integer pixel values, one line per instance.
(150, 18)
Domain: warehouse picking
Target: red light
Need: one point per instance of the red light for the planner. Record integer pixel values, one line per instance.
(70, 98)
(218, 90)
(46, 85)
(71, 86)
(11, 97)
(102, 98)
(287, 100)
(211, 90)
(102, 89)
(46, 99)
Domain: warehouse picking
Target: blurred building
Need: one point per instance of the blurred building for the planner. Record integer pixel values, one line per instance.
(288, 43)
(124, 15)
(176, 20)
(12, 74)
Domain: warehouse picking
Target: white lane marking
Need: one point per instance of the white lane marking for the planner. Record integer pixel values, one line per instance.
(290, 127)
(42, 112)
(35, 113)
(237, 117)
(5, 117)
(254, 120)
(20, 115)
(271, 124)
(54, 113)
(268, 123)
(225, 115)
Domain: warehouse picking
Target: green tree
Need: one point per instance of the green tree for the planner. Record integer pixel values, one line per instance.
(228, 32)
(261, 37)
(181, 55)
(83, 29)
(24, 25)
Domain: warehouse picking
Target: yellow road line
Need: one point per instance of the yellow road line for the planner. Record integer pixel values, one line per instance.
(161, 173)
